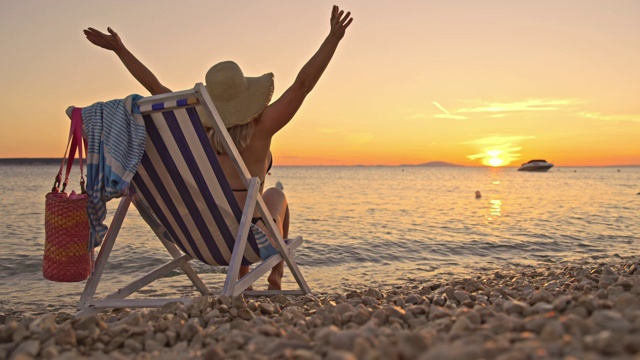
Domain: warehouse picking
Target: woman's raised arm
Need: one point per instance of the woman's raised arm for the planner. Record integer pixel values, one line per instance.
(281, 111)
(139, 71)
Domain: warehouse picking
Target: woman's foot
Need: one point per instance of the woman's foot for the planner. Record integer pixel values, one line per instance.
(275, 278)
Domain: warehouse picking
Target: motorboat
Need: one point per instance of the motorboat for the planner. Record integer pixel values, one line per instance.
(536, 165)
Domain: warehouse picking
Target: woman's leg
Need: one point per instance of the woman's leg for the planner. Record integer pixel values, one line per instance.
(276, 202)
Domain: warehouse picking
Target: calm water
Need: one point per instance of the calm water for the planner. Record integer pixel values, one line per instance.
(363, 226)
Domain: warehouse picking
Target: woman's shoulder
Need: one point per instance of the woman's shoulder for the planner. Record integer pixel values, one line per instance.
(262, 131)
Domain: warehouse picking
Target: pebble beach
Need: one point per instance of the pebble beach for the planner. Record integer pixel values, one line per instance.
(576, 311)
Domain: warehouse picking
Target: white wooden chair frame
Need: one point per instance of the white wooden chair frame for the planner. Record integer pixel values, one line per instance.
(232, 285)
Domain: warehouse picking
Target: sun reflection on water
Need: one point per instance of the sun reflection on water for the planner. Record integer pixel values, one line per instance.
(495, 211)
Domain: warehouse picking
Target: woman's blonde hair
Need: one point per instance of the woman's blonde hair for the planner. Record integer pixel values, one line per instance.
(241, 135)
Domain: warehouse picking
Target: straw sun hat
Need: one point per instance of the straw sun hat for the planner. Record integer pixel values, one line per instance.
(239, 99)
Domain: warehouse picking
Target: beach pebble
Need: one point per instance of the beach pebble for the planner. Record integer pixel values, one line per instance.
(304, 354)
(414, 299)
(606, 342)
(461, 296)
(552, 330)
(132, 345)
(609, 320)
(190, 329)
(340, 355)
(627, 302)
(368, 301)
(541, 296)
(27, 348)
(344, 309)
(462, 325)
(514, 307)
(49, 352)
(65, 335)
(412, 344)
(246, 314)
(266, 308)
(172, 307)
(395, 311)
(292, 314)
(561, 303)
(373, 293)
(280, 299)
(439, 300)
(582, 311)
(239, 302)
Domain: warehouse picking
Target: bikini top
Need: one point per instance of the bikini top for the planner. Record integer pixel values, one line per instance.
(262, 180)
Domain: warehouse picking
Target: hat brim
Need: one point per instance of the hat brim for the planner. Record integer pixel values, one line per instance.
(249, 104)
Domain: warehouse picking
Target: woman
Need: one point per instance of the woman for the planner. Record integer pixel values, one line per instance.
(243, 103)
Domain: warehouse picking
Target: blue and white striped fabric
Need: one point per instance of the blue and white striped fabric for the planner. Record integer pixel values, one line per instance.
(267, 250)
(116, 139)
(190, 101)
(181, 180)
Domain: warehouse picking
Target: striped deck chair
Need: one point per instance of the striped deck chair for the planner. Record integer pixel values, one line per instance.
(182, 193)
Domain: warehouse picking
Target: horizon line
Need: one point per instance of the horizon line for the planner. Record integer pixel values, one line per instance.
(426, 164)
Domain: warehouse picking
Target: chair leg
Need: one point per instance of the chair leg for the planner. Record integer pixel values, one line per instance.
(103, 255)
(149, 278)
(263, 268)
(231, 281)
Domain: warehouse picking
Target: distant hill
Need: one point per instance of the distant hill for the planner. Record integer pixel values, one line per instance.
(436, 164)
(28, 161)
(34, 161)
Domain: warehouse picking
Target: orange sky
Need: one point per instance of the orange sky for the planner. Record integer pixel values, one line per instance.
(412, 82)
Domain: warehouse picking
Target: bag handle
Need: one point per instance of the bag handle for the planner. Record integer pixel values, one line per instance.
(74, 143)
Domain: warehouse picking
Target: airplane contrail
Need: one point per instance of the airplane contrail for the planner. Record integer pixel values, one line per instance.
(441, 108)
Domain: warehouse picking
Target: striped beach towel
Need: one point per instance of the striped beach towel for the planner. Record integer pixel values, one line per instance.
(116, 137)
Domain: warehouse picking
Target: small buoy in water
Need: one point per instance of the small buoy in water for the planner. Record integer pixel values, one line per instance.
(478, 195)
(279, 185)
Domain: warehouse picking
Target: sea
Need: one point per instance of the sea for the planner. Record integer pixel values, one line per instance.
(362, 227)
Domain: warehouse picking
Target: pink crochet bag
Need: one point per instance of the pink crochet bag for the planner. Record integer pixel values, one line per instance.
(66, 249)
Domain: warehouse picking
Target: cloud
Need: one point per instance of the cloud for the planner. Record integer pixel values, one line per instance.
(498, 140)
(524, 105)
(447, 114)
(440, 107)
(502, 109)
(599, 116)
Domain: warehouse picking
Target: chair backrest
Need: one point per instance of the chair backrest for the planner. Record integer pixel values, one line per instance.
(181, 180)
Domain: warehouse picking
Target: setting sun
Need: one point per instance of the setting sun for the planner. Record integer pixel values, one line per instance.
(498, 154)
(494, 161)
(493, 158)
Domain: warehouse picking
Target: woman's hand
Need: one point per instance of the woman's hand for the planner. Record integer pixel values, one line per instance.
(281, 111)
(139, 71)
(339, 22)
(110, 42)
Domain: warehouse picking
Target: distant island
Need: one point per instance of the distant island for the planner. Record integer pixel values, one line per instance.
(31, 161)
